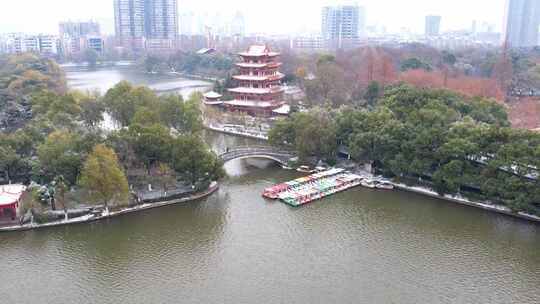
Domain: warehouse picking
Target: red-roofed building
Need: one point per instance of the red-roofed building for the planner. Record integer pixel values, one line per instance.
(10, 196)
(259, 90)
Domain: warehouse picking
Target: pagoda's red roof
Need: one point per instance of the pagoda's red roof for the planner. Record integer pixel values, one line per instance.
(259, 51)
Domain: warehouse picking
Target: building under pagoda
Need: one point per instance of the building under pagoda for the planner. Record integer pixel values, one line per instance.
(259, 90)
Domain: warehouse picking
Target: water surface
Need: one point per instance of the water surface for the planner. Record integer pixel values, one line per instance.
(103, 78)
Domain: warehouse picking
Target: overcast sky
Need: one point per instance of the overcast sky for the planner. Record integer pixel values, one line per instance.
(277, 17)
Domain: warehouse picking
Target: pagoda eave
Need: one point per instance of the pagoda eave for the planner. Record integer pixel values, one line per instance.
(259, 55)
(258, 65)
(254, 104)
(256, 91)
(259, 78)
(213, 102)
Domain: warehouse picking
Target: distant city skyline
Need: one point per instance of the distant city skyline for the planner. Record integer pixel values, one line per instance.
(394, 15)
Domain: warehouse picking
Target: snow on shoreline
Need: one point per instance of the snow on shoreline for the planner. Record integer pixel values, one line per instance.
(464, 201)
(105, 215)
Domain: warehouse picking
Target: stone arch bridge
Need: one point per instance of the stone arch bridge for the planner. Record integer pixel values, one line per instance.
(278, 155)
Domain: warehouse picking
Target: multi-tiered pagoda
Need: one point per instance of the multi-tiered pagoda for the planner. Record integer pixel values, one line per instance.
(259, 90)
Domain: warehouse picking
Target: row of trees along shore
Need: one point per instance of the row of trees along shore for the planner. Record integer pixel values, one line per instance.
(214, 65)
(453, 143)
(64, 136)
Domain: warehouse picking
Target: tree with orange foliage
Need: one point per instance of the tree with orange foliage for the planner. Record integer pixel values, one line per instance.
(466, 85)
(388, 74)
(503, 70)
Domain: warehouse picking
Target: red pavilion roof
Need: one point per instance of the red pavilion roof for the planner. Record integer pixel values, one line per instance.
(10, 195)
(259, 51)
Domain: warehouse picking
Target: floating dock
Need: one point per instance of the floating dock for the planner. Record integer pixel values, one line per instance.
(319, 189)
(314, 187)
(274, 191)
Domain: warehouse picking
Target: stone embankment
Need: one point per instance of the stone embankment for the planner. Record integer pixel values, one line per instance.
(489, 206)
(91, 217)
(464, 201)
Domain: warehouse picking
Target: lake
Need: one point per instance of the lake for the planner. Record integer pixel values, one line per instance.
(103, 78)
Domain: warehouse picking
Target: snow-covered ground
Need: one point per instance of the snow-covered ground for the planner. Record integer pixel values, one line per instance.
(251, 133)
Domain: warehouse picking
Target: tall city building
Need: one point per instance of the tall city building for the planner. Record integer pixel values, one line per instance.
(342, 26)
(238, 25)
(522, 19)
(161, 19)
(129, 19)
(74, 37)
(433, 25)
(187, 23)
(146, 23)
(218, 24)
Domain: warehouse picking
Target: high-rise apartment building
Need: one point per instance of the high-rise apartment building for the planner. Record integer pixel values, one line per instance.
(238, 25)
(187, 23)
(49, 44)
(433, 25)
(152, 20)
(129, 22)
(74, 37)
(161, 19)
(522, 19)
(343, 25)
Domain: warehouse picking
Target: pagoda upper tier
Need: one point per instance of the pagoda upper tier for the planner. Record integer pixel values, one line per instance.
(258, 51)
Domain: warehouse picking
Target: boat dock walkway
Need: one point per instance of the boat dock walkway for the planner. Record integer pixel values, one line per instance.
(307, 189)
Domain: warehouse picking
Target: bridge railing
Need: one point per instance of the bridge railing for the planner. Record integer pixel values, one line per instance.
(255, 149)
(248, 152)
